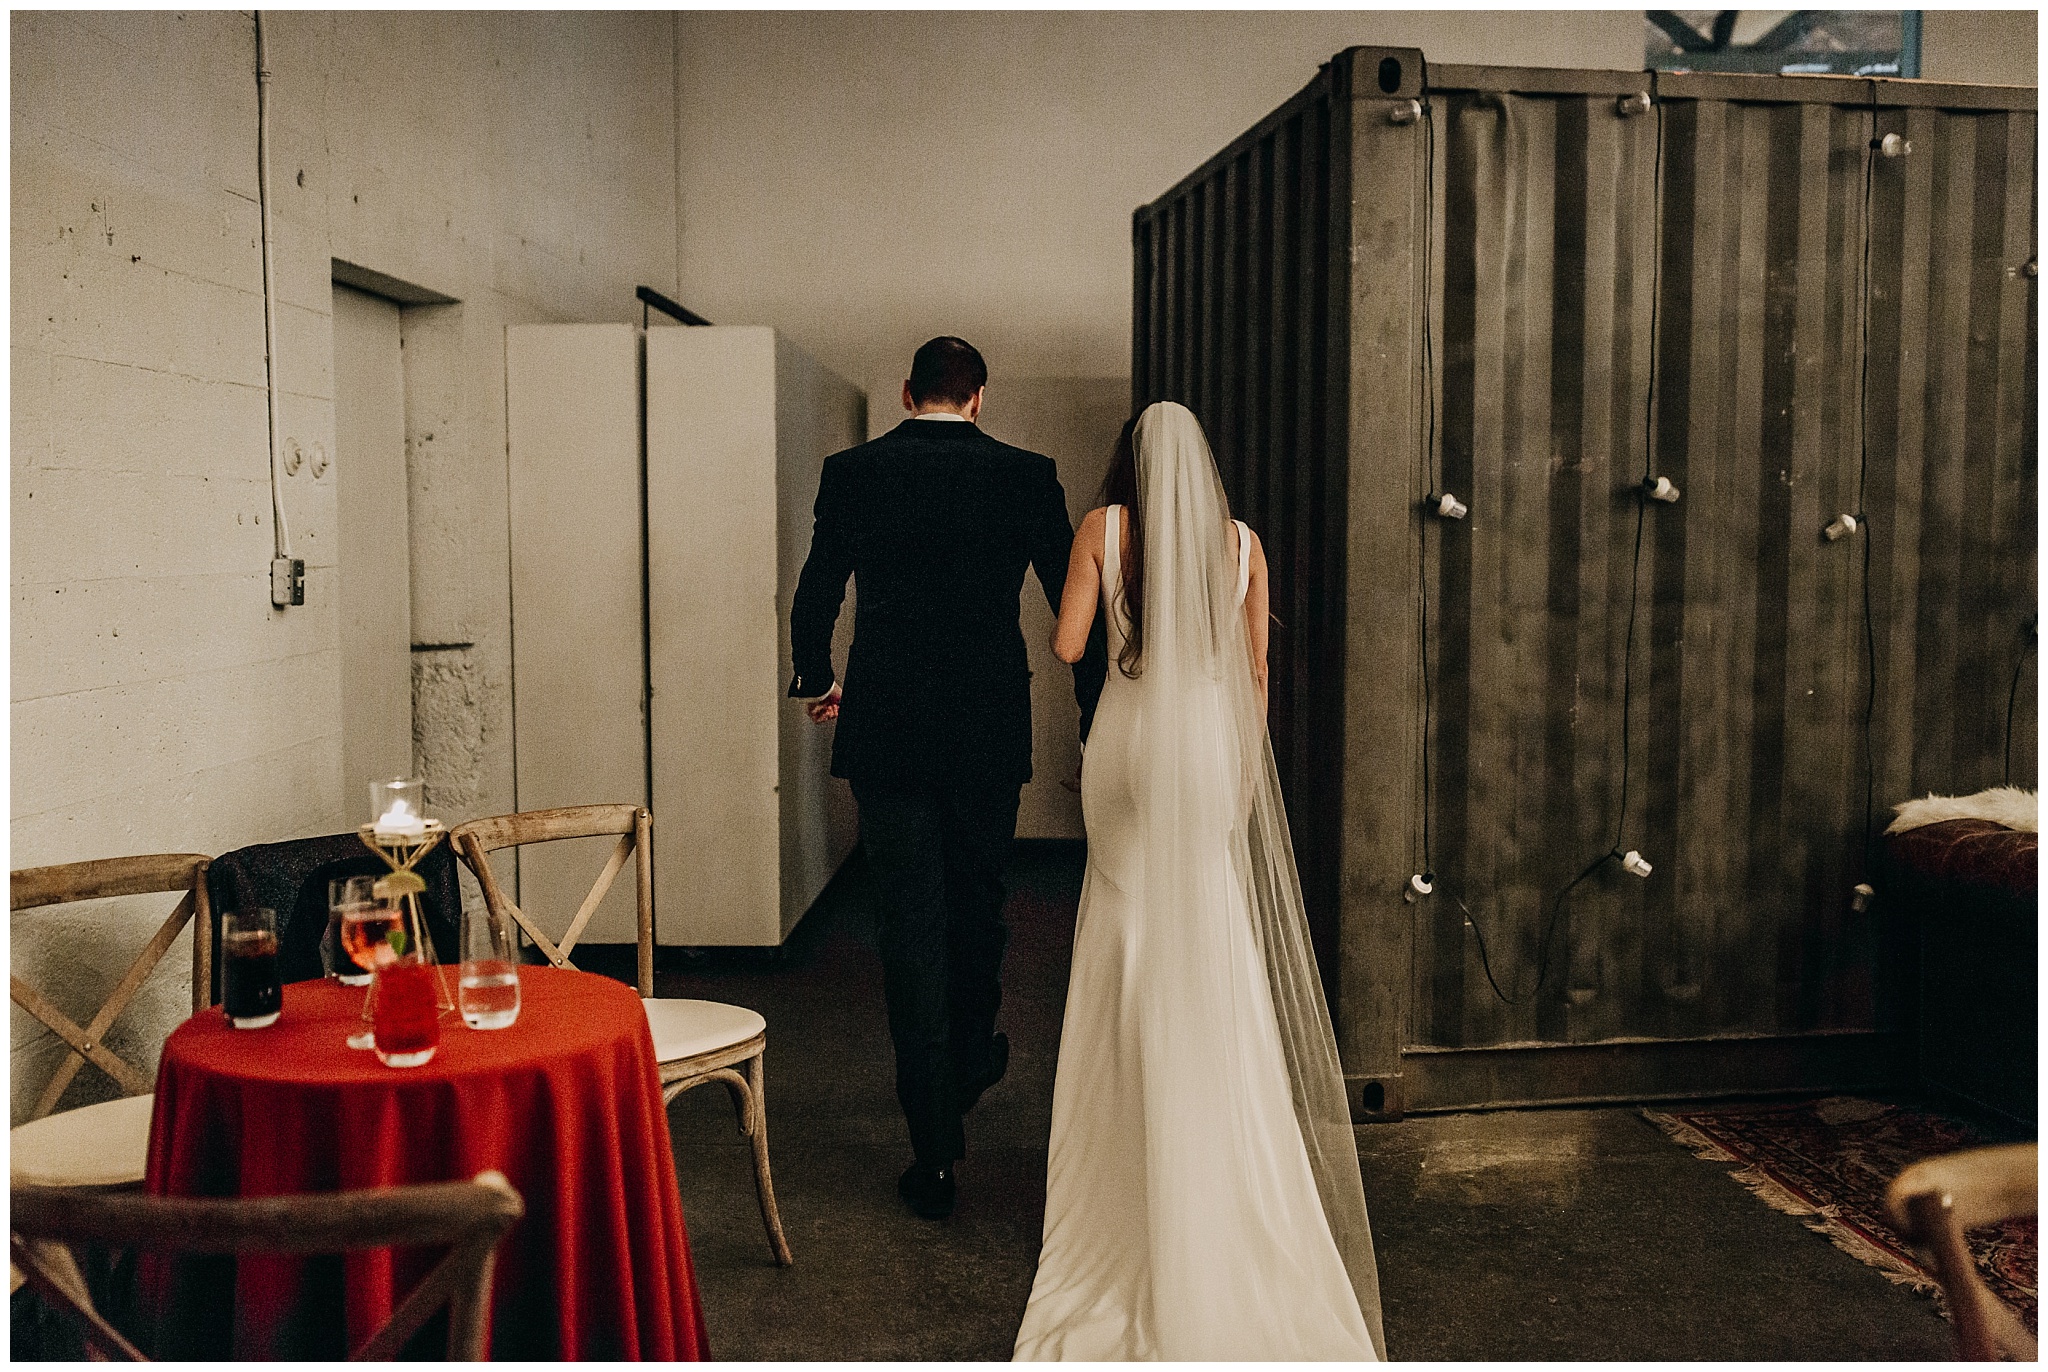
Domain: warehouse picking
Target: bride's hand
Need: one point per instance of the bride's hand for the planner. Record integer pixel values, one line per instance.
(824, 707)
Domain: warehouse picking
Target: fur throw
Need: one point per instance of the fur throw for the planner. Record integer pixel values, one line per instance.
(2007, 805)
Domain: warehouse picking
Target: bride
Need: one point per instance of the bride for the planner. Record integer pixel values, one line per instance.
(1202, 1195)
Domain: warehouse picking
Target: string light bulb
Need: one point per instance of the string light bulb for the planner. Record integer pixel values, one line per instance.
(1635, 864)
(1448, 506)
(1861, 897)
(1660, 488)
(1419, 885)
(1840, 527)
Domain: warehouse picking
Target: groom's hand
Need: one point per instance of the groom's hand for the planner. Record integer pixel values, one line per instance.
(825, 706)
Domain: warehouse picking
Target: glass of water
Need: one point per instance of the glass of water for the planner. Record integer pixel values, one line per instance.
(488, 991)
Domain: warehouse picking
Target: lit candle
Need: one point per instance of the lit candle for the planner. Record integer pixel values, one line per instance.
(399, 822)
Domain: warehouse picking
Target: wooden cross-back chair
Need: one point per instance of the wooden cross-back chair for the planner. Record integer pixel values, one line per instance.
(633, 826)
(695, 1041)
(469, 1216)
(1935, 1201)
(104, 1144)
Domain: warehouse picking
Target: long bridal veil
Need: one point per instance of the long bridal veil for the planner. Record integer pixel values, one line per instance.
(1206, 784)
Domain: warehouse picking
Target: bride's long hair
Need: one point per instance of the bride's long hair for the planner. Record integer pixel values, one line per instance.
(1120, 487)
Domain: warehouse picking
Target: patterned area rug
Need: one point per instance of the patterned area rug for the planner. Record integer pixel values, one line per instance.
(1829, 1161)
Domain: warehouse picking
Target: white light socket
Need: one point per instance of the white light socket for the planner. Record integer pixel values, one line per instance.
(1635, 864)
(1660, 488)
(1860, 898)
(1840, 527)
(1895, 145)
(1418, 886)
(1449, 506)
(1405, 112)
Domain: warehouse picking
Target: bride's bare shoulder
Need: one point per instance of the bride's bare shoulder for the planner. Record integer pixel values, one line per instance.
(1093, 519)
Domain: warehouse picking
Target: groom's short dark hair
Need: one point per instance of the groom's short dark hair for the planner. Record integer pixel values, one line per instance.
(947, 369)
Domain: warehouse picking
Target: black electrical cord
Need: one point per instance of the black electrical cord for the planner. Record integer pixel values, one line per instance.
(1636, 562)
(1428, 453)
(1628, 655)
(2012, 693)
(1862, 518)
(1430, 475)
(1485, 962)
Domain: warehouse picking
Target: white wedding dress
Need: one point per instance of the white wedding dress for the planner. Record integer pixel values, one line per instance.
(1202, 1194)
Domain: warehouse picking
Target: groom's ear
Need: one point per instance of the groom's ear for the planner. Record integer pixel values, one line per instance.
(973, 410)
(908, 403)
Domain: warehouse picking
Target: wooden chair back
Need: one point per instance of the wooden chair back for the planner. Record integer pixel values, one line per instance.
(36, 888)
(477, 839)
(1935, 1201)
(469, 1216)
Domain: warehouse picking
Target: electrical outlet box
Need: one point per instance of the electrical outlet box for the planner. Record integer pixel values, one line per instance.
(287, 581)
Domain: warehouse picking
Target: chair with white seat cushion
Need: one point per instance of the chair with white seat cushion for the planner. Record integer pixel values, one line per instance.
(695, 1041)
(1935, 1202)
(105, 1144)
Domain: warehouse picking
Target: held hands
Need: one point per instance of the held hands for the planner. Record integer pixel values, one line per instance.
(825, 707)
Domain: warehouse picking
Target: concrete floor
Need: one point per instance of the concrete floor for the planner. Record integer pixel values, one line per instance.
(1553, 1234)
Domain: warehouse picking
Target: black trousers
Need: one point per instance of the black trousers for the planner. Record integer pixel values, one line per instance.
(937, 855)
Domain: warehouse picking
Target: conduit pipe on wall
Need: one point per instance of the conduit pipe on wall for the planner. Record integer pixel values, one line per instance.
(281, 537)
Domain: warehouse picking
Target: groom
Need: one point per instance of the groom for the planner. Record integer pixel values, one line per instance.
(936, 521)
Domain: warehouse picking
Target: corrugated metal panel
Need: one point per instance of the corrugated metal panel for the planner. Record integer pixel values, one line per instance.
(1747, 770)
(1542, 303)
(1747, 665)
(1239, 315)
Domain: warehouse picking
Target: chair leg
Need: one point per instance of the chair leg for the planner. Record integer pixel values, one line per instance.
(764, 1183)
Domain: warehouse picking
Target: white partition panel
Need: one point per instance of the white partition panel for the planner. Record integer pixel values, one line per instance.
(748, 825)
(572, 428)
(817, 413)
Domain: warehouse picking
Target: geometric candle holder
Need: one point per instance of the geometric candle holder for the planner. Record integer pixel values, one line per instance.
(401, 835)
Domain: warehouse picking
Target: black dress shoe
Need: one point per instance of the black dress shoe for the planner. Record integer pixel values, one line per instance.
(968, 1090)
(927, 1190)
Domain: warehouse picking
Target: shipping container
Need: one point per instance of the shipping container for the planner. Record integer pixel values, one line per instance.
(1540, 292)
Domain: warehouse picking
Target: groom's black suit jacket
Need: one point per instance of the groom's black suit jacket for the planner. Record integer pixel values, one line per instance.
(936, 521)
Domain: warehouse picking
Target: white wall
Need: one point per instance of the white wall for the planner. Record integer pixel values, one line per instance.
(1998, 47)
(523, 165)
(865, 181)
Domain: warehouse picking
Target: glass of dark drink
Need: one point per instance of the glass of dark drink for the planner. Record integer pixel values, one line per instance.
(252, 995)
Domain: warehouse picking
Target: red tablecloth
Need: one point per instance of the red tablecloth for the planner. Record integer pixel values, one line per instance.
(566, 1103)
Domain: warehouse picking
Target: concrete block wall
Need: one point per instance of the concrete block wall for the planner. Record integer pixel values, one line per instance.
(521, 165)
